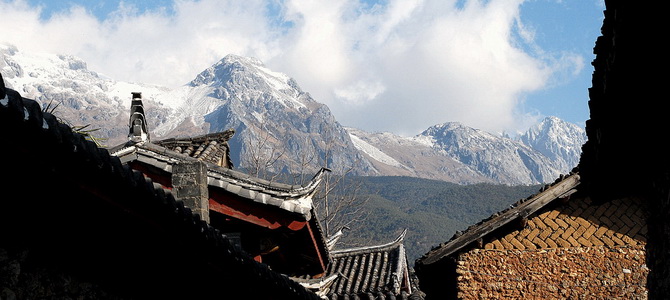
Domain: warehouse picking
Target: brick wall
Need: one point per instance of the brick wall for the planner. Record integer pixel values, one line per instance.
(578, 249)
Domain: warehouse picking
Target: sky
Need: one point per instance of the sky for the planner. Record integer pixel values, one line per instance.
(396, 66)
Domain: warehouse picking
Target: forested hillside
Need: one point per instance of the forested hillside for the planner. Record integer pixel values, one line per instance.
(431, 210)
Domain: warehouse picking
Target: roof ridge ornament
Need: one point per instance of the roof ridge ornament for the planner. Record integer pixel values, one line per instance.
(138, 124)
(332, 240)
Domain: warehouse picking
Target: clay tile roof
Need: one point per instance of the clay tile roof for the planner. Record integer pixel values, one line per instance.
(212, 148)
(561, 188)
(376, 271)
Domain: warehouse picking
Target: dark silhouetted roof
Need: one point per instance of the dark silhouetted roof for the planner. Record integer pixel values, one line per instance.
(75, 196)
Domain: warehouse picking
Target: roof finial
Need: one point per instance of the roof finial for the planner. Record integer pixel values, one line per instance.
(138, 123)
(332, 240)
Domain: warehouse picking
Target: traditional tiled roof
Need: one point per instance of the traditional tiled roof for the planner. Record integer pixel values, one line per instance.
(561, 188)
(372, 272)
(212, 148)
(292, 198)
(69, 158)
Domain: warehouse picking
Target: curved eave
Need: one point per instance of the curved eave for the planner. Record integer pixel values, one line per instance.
(292, 198)
(377, 248)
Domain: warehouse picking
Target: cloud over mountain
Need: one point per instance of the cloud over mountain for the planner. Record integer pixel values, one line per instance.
(397, 66)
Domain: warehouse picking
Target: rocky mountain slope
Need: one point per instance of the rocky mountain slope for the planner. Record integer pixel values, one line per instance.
(64, 85)
(557, 140)
(458, 153)
(280, 128)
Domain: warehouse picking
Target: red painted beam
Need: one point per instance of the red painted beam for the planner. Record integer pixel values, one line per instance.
(318, 253)
(256, 213)
(156, 175)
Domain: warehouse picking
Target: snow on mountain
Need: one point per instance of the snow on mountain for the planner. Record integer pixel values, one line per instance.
(283, 128)
(79, 95)
(480, 156)
(374, 152)
(394, 155)
(239, 81)
(245, 72)
(274, 119)
(500, 158)
(558, 140)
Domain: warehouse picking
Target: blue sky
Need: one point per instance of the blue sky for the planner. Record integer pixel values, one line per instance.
(384, 65)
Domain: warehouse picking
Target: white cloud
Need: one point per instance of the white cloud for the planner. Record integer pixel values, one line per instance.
(401, 66)
(152, 46)
(360, 92)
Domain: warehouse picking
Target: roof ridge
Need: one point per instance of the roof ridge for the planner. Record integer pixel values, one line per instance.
(276, 187)
(220, 135)
(366, 249)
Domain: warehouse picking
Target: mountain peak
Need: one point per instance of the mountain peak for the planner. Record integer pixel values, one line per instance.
(557, 139)
(234, 58)
(273, 115)
(551, 121)
(553, 127)
(452, 129)
(446, 126)
(245, 71)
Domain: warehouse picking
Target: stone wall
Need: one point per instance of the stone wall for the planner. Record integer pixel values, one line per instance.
(580, 249)
(189, 181)
(565, 273)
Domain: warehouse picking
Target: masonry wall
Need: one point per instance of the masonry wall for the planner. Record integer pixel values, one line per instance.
(563, 273)
(577, 250)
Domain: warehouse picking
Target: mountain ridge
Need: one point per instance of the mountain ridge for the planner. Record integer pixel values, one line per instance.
(282, 128)
(479, 156)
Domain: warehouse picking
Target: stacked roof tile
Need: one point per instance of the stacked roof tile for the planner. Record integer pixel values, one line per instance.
(212, 148)
(372, 272)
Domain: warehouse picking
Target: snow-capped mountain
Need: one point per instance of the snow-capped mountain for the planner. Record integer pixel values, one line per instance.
(558, 140)
(458, 153)
(395, 155)
(279, 127)
(276, 123)
(65, 86)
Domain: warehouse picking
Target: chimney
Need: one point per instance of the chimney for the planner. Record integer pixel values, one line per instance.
(189, 182)
(138, 125)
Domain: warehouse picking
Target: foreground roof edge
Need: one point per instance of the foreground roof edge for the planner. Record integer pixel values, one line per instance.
(25, 115)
